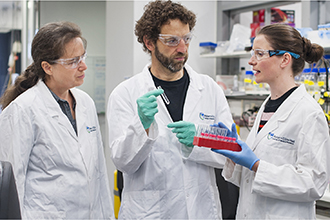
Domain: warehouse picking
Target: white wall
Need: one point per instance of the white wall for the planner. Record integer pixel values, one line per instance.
(119, 54)
(89, 15)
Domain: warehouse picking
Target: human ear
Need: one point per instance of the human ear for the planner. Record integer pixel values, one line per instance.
(286, 59)
(47, 68)
(149, 44)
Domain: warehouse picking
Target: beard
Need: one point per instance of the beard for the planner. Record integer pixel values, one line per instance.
(169, 62)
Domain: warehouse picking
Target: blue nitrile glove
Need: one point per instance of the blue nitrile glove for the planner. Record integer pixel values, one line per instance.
(185, 132)
(147, 107)
(245, 157)
(232, 133)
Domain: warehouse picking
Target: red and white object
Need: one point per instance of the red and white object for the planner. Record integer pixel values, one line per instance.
(215, 137)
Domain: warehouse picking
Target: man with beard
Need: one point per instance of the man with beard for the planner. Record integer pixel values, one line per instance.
(152, 120)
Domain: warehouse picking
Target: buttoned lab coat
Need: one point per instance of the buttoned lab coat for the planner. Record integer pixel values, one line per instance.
(294, 151)
(164, 179)
(58, 174)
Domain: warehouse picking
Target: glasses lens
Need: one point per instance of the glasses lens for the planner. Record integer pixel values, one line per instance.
(259, 54)
(254, 53)
(172, 40)
(187, 38)
(74, 62)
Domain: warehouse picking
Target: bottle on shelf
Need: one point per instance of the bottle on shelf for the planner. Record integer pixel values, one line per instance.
(311, 87)
(321, 79)
(248, 81)
(242, 74)
(241, 77)
(235, 83)
(304, 78)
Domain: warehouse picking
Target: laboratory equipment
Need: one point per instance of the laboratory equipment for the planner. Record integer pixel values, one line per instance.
(163, 95)
(248, 81)
(215, 137)
(207, 47)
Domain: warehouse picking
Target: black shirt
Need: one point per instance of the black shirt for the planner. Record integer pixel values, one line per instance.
(176, 92)
(271, 107)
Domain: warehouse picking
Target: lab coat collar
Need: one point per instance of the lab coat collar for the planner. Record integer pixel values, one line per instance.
(81, 111)
(281, 114)
(54, 109)
(194, 94)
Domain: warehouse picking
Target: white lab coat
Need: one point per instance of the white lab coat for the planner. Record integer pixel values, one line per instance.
(59, 175)
(164, 179)
(294, 152)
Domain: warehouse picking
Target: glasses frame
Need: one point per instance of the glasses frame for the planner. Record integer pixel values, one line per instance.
(75, 61)
(186, 38)
(273, 52)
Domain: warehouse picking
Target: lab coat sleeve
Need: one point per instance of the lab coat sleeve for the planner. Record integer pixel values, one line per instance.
(307, 179)
(129, 143)
(17, 140)
(207, 157)
(232, 172)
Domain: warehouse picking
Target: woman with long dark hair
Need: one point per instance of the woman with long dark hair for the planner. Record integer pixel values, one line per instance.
(51, 133)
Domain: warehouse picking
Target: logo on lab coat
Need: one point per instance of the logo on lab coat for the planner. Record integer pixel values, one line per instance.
(90, 129)
(272, 136)
(203, 116)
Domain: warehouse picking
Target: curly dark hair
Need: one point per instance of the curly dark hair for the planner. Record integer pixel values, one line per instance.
(158, 13)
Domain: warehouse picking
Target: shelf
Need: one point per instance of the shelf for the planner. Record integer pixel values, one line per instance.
(235, 54)
(253, 95)
(242, 6)
(243, 54)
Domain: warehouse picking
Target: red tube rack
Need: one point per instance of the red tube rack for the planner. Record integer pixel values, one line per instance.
(225, 144)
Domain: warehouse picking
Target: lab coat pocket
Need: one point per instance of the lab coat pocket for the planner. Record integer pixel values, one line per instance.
(88, 145)
(280, 153)
(141, 205)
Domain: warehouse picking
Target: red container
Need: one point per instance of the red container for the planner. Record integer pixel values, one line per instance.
(216, 144)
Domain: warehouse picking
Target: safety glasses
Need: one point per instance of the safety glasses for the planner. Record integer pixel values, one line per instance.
(173, 40)
(71, 63)
(261, 54)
